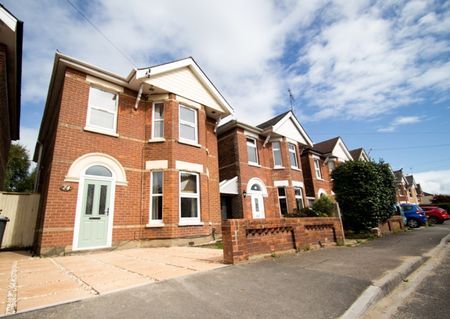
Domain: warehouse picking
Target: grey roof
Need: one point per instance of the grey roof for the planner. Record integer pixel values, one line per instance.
(398, 175)
(410, 180)
(327, 146)
(272, 121)
(356, 153)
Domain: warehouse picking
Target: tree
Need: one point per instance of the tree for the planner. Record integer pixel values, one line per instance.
(18, 177)
(365, 192)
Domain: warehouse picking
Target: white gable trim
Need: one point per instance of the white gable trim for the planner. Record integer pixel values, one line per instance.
(190, 63)
(341, 144)
(297, 125)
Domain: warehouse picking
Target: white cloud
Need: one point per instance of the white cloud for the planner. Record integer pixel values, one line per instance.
(398, 121)
(373, 59)
(435, 182)
(341, 59)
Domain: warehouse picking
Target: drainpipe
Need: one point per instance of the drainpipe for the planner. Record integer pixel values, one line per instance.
(267, 140)
(217, 124)
(139, 96)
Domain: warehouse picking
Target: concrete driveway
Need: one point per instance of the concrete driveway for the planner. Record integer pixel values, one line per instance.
(28, 283)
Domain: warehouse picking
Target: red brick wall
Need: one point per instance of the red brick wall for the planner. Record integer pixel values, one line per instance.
(132, 150)
(392, 225)
(5, 136)
(233, 161)
(312, 183)
(243, 238)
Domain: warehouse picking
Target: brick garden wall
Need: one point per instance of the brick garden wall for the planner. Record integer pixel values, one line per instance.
(392, 225)
(244, 238)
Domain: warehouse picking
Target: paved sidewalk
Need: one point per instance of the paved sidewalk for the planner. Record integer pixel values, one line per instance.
(27, 283)
(315, 284)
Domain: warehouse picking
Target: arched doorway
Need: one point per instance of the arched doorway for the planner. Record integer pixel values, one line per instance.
(257, 191)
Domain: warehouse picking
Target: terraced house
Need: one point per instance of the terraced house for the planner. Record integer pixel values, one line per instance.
(128, 161)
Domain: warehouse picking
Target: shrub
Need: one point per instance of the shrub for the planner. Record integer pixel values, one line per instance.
(324, 206)
(365, 192)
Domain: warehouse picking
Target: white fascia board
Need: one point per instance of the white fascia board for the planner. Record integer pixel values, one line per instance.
(298, 126)
(8, 19)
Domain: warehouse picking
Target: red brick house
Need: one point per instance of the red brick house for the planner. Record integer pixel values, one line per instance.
(260, 171)
(128, 161)
(318, 162)
(11, 37)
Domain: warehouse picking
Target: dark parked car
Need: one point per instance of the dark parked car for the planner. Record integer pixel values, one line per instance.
(435, 215)
(414, 214)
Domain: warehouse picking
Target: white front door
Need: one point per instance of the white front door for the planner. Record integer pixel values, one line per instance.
(257, 206)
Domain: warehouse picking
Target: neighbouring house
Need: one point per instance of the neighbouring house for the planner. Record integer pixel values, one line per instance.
(426, 198)
(405, 188)
(359, 154)
(126, 162)
(412, 190)
(260, 170)
(11, 38)
(420, 193)
(318, 162)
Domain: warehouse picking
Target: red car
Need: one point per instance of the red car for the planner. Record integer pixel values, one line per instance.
(435, 214)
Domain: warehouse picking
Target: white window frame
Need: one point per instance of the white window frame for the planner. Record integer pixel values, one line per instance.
(152, 221)
(299, 196)
(193, 125)
(282, 197)
(317, 168)
(255, 146)
(189, 220)
(293, 151)
(273, 154)
(154, 120)
(97, 128)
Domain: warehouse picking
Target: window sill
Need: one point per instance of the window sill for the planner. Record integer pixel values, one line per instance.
(154, 225)
(100, 131)
(320, 179)
(254, 164)
(279, 167)
(296, 168)
(189, 143)
(156, 140)
(193, 223)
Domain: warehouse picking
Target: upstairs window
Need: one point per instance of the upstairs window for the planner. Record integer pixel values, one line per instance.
(158, 120)
(188, 125)
(276, 149)
(102, 110)
(317, 168)
(293, 155)
(252, 151)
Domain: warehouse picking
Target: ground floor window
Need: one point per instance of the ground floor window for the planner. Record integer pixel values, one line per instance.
(282, 200)
(299, 197)
(156, 197)
(189, 197)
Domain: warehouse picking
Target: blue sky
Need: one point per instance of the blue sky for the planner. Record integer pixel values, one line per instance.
(376, 73)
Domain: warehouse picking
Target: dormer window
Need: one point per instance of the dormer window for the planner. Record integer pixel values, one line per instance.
(102, 111)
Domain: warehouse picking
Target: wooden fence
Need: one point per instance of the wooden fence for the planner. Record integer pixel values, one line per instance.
(21, 209)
